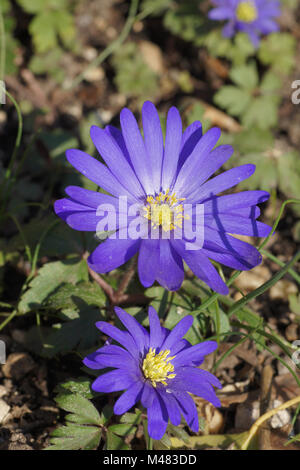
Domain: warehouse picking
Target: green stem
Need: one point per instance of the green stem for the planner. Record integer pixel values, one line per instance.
(281, 264)
(2, 47)
(113, 46)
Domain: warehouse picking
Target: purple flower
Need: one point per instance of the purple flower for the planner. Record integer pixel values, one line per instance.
(159, 369)
(254, 17)
(162, 178)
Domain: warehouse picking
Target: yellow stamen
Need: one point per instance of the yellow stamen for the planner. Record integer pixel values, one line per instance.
(246, 11)
(157, 367)
(165, 211)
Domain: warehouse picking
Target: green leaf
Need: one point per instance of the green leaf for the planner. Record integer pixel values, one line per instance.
(245, 76)
(114, 442)
(278, 50)
(49, 277)
(233, 99)
(80, 386)
(262, 112)
(75, 437)
(163, 444)
(79, 332)
(32, 6)
(123, 429)
(88, 292)
(82, 410)
(42, 29)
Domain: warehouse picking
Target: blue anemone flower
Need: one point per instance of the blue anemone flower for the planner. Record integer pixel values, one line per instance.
(157, 368)
(163, 178)
(253, 17)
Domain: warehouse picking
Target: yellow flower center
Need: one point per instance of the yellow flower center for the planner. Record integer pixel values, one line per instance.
(246, 12)
(164, 211)
(157, 367)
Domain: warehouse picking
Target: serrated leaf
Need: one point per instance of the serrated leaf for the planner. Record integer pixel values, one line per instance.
(262, 112)
(49, 277)
(80, 386)
(32, 6)
(278, 50)
(123, 429)
(114, 442)
(82, 410)
(245, 76)
(75, 437)
(233, 99)
(42, 29)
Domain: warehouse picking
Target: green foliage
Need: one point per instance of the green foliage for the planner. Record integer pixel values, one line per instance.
(49, 278)
(256, 103)
(84, 424)
(52, 22)
(133, 76)
(236, 50)
(278, 50)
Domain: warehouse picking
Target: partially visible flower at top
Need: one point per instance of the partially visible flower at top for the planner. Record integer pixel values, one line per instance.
(158, 368)
(158, 176)
(253, 17)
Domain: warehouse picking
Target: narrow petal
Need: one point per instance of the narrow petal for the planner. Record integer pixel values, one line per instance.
(117, 135)
(154, 141)
(237, 225)
(190, 139)
(113, 381)
(122, 337)
(156, 333)
(172, 148)
(149, 250)
(171, 405)
(221, 13)
(157, 418)
(178, 332)
(116, 161)
(136, 149)
(148, 395)
(112, 253)
(129, 398)
(119, 361)
(135, 329)
(220, 183)
(195, 353)
(97, 172)
(188, 409)
(232, 202)
(242, 251)
(90, 198)
(196, 163)
(191, 380)
(202, 267)
(170, 273)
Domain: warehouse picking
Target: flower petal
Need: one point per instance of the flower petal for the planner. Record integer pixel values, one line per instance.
(178, 332)
(154, 142)
(149, 250)
(112, 253)
(129, 398)
(172, 148)
(170, 273)
(157, 418)
(156, 333)
(136, 330)
(190, 139)
(136, 149)
(122, 337)
(97, 172)
(116, 161)
(188, 409)
(195, 353)
(113, 381)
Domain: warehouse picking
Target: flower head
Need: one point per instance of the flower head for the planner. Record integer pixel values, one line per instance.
(165, 180)
(254, 17)
(157, 368)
